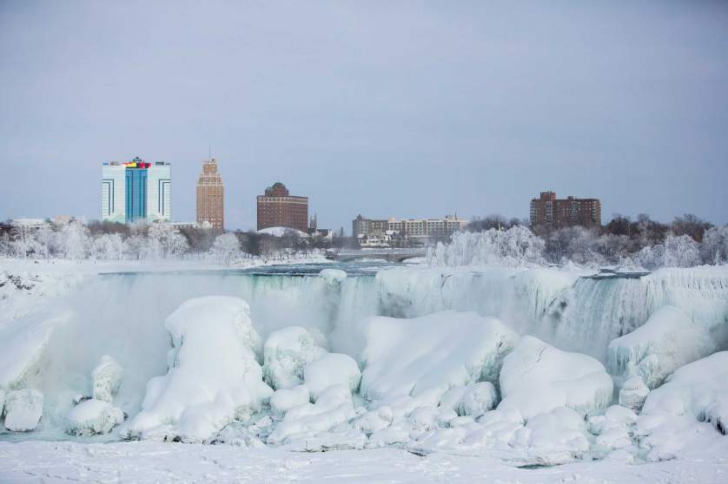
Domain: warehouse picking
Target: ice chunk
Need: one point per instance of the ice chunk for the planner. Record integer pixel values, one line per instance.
(477, 399)
(329, 370)
(667, 341)
(426, 356)
(537, 378)
(333, 276)
(93, 417)
(285, 399)
(214, 376)
(107, 379)
(23, 410)
(286, 353)
(633, 393)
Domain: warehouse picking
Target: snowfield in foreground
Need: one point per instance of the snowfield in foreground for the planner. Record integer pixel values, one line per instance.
(150, 462)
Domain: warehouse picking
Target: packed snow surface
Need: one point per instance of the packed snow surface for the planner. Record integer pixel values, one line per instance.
(213, 376)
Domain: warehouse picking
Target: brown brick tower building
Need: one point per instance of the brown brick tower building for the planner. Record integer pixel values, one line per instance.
(277, 208)
(211, 196)
(548, 211)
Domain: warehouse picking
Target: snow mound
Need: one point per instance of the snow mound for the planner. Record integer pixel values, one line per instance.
(477, 399)
(23, 410)
(107, 379)
(213, 376)
(633, 393)
(283, 232)
(333, 276)
(333, 408)
(426, 356)
(668, 340)
(329, 370)
(92, 417)
(285, 399)
(537, 378)
(286, 353)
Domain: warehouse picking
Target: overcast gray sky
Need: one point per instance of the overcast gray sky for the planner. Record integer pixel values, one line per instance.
(410, 109)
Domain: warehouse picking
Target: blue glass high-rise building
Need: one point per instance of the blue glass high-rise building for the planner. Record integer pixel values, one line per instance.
(136, 191)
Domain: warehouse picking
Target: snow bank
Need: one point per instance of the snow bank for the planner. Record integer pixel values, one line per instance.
(285, 399)
(667, 341)
(92, 417)
(285, 354)
(213, 373)
(329, 370)
(23, 410)
(538, 378)
(282, 232)
(424, 357)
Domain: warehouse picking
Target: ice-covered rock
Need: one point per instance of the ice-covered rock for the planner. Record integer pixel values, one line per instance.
(23, 410)
(374, 420)
(329, 370)
(92, 417)
(537, 378)
(333, 276)
(285, 354)
(333, 407)
(285, 399)
(213, 376)
(107, 379)
(426, 356)
(667, 341)
(477, 399)
(2, 401)
(633, 393)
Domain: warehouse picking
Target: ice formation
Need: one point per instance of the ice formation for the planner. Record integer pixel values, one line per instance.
(285, 354)
(107, 379)
(330, 370)
(425, 357)
(213, 373)
(23, 410)
(667, 341)
(333, 276)
(537, 378)
(285, 399)
(92, 417)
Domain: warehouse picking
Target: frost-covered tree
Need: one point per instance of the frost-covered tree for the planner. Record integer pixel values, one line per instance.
(164, 241)
(23, 241)
(677, 251)
(226, 248)
(516, 246)
(73, 240)
(45, 237)
(108, 247)
(714, 249)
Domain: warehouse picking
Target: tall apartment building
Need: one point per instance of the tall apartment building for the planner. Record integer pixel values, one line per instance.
(421, 229)
(549, 211)
(278, 208)
(136, 191)
(211, 196)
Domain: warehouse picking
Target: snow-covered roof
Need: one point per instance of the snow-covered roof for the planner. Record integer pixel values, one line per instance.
(282, 232)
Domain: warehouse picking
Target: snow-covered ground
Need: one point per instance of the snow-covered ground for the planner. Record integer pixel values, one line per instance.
(431, 373)
(150, 462)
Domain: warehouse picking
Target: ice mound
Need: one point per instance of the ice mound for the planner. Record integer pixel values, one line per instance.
(309, 421)
(23, 410)
(329, 370)
(92, 417)
(107, 379)
(668, 340)
(213, 377)
(426, 356)
(537, 378)
(22, 345)
(477, 399)
(286, 353)
(613, 431)
(333, 276)
(633, 393)
(285, 399)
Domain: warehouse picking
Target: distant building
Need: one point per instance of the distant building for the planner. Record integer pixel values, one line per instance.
(381, 231)
(278, 208)
(136, 191)
(211, 196)
(549, 211)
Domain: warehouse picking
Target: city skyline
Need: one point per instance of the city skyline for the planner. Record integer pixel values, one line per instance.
(471, 108)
